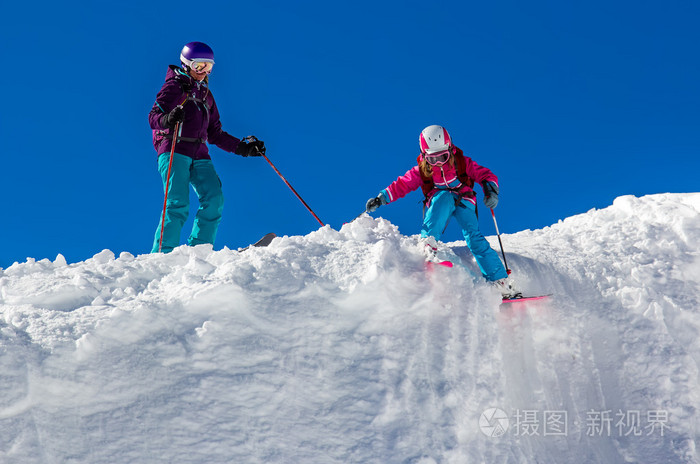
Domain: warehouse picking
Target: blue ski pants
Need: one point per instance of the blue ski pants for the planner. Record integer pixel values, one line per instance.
(207, 186)
(441, 209)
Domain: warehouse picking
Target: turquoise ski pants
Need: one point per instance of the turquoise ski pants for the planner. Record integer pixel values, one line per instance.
(441, 209)
(207, 186)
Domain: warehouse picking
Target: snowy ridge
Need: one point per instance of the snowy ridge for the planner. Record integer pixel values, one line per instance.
(339, 347)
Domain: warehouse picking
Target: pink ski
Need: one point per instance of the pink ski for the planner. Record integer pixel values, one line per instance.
(526, 298)
(432, 264)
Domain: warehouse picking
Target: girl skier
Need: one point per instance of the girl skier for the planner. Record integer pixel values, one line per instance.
(186, 101)
(447, 178)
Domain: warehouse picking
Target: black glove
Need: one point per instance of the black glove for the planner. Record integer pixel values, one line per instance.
(490, 194)
(374, 203)
(254, 148)
(175, 116)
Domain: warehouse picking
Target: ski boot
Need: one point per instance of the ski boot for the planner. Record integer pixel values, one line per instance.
(429, 247)
(508, 289)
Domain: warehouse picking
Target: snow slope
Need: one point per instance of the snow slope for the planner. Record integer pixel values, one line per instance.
(339, 347)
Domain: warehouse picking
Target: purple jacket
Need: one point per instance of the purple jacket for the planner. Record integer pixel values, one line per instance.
(201, 122)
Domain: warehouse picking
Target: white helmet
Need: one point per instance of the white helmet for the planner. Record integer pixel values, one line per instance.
(434, 139)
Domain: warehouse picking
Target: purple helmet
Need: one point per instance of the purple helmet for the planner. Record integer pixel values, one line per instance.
(196, 51)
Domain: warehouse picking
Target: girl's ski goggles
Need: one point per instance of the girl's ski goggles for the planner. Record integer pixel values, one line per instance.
(202, 66)
(437, 159)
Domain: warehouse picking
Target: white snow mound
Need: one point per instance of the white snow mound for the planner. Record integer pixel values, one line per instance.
(340, 347)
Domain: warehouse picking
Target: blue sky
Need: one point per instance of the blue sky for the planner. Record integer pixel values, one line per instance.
(571, 105)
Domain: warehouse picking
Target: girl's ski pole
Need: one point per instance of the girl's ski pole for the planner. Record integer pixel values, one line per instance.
(167, 185)
(360, 215)
(500, 242)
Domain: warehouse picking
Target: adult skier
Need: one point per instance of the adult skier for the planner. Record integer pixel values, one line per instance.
(185, 102)
(447, 178)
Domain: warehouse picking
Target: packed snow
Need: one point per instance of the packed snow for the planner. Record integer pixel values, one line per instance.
(341, 347)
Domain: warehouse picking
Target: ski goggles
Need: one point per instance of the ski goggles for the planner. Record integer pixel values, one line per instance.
(438, 158)
(201, 67)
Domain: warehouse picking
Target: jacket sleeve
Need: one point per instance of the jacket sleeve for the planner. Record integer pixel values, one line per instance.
(480, 174)
(404, 184)
(216, 135)
(169, 97)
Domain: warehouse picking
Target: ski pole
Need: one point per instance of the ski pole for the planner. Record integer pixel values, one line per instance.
(167, 185)
(500, 242)
(359, 216)
(253, 138)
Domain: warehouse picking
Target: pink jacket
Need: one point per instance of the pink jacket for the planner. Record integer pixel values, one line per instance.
(444, 177)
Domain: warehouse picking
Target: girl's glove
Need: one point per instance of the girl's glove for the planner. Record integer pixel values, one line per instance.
(490, 194)
(374, 203)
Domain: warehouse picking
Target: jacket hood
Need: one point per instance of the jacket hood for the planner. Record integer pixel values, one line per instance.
(180, 75)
